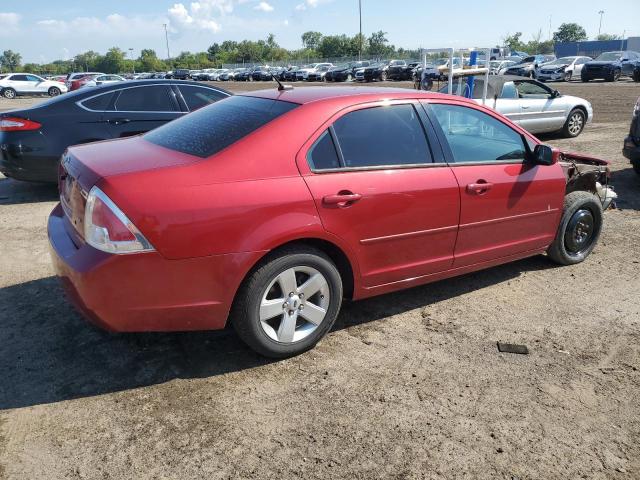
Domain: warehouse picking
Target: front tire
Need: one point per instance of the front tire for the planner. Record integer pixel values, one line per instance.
(567, 76)
(288, 303)
(579, 229)
(383, 77)
(54, 92)
(574, 124)
(9, 93)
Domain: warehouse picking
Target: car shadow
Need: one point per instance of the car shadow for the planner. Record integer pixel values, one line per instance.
(13, 192)
(626, 183)
(50, 354)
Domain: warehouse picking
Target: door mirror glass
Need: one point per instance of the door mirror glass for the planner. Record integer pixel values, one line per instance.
(543, 155)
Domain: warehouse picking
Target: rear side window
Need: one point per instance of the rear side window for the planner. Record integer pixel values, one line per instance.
(213, 128)
(323, 154)
(388, 135)
(154, 98)
(99, 103)
(198, 97)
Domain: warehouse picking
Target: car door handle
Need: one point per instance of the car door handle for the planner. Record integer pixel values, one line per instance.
(341, 199)
(118, 121)
(479, 188)
(524, 107)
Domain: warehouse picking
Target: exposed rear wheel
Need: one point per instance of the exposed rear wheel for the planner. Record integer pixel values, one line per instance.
(289, 303)
(9, 93)
(349, 77)
(54, 92)
(574, 124)
(579, 229)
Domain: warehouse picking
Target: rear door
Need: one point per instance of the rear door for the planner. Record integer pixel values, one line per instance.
(21, 84)
(382, 187)
(137, 110)
(508, 205)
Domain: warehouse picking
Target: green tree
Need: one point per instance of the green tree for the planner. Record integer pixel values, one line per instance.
(86, 61)
(608, 36)
(10, 60)
(379, 45)
(311, 40)
(513, 41)
(569, 32)
(112, 62)
(335, 46)
(148, 61)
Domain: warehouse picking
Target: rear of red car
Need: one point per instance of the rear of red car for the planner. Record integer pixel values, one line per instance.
(128, 244)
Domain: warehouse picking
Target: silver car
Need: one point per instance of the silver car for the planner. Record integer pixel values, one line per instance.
(532, 105)
(564, 69)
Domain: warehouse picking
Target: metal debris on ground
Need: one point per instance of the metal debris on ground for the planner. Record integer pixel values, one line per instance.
(513, 348)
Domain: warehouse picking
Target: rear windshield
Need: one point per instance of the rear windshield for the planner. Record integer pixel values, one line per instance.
(213, 128)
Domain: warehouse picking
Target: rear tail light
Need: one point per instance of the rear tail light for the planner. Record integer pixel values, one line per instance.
(15, 124)
(108, 229)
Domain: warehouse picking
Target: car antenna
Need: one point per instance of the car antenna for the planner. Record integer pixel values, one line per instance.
(281, 87)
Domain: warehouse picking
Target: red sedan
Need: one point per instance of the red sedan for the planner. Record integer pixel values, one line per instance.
(267, 209)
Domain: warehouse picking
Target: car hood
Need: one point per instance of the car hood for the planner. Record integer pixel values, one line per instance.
(555, 67)
(600, 63)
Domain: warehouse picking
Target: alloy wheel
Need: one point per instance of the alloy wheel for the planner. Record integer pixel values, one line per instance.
(576, 123)
(9, 93)
(294, 304)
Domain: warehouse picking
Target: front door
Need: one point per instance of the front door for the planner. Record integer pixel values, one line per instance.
(508, 205)
(137, 110)
(541, 111)
(384, 192)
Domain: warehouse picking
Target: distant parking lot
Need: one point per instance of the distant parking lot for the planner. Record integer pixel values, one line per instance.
(408, 385)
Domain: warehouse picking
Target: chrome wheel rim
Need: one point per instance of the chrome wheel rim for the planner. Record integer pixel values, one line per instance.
(9, 94)
(579, 233)
(576, 122)
(294, 304)
(54, 92)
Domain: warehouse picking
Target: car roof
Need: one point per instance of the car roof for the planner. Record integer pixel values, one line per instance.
(349, 94)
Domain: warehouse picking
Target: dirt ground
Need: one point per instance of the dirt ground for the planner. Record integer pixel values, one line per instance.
(408, 385)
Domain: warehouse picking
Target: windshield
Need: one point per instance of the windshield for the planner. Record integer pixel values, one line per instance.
(219, 125)
(609, 56)
(563, 61)
(528, 60)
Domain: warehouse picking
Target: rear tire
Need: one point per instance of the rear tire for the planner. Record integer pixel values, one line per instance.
(575, 123)
(270, 299)
(9, 93)
(579, 229)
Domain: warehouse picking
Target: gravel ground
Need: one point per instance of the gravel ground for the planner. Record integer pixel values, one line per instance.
(408, 385)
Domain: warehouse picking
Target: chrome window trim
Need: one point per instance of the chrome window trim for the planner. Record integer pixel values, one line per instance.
(80, 102)
(379, 167)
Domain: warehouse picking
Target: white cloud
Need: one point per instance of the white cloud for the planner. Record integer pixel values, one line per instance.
(206, 14)
(310, 4)
(111, 26)
(264, 6)
(9, 23)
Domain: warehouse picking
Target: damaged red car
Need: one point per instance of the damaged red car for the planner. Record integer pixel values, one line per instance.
(267, 209)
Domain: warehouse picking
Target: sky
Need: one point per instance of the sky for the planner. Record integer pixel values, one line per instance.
(43, 31)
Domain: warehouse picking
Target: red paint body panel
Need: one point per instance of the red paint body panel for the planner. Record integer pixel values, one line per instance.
(211, 220)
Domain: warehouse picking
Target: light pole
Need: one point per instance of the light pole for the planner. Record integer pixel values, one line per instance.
(166, 37)
(601, 13)
(133, 62)
(360, 38)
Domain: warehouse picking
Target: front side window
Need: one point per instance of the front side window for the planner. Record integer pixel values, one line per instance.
(531, 90)
(215, 127)
(474, 136)
(387, 135)
(33, 78)
(154, 98)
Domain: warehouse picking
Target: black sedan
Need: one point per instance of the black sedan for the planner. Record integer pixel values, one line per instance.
(610, 66)
(401, 70)
(345, 72)
(380, 71)
(631, 148)
(32, 140)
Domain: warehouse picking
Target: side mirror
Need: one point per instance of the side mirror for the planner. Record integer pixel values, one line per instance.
(555, 94)
(542, 155)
